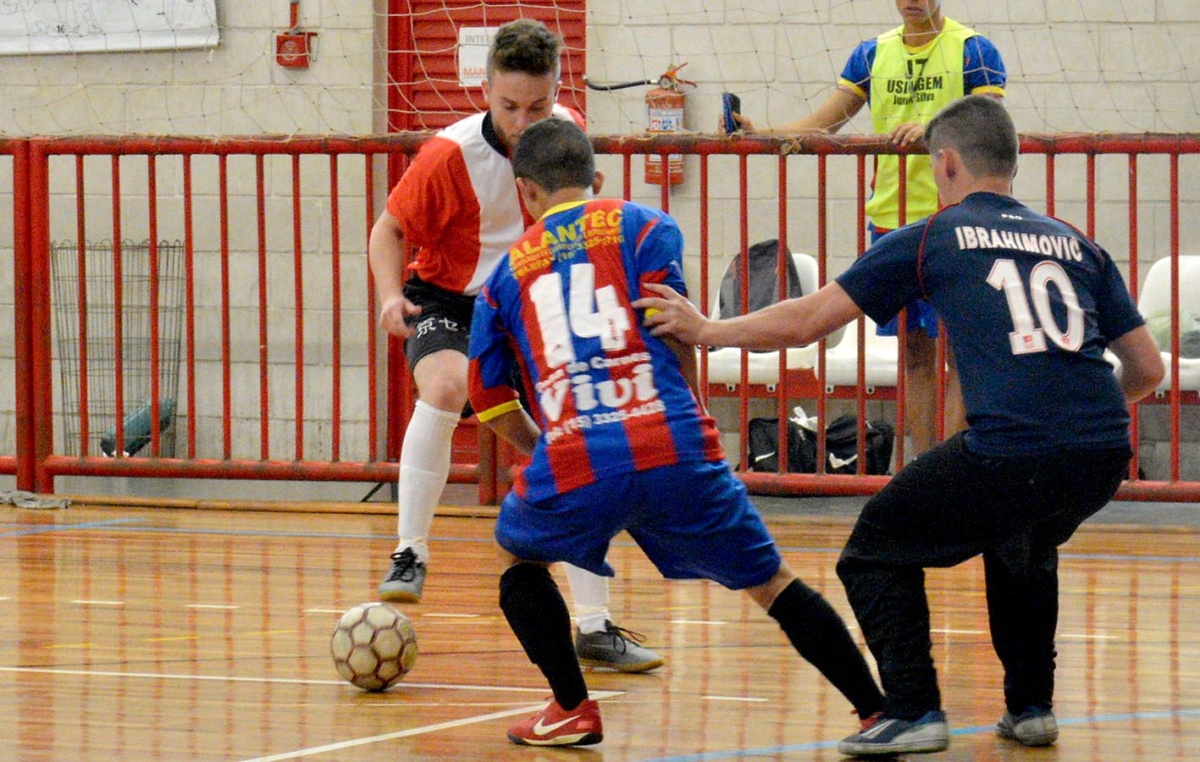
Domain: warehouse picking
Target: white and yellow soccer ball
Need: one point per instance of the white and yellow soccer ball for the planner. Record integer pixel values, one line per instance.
(374, 646)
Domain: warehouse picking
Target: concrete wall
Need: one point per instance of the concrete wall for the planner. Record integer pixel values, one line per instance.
(1074, 65)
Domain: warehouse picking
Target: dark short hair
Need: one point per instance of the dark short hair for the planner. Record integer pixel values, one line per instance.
(525, 46)
(555, 154)
(981, 130)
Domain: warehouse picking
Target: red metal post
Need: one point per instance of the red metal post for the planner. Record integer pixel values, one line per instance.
(705, 255)
(189, 270)
(155, 391)
(1050, 206)
(1176, 432)
(81, 260)
(372, 329)
(744, 274)
(1134, 288)
(822, 262)
(226, 375)
(298, 309)
(118, 310)
(335, 285)
(264, 331)
(39, 345)
(25, 327)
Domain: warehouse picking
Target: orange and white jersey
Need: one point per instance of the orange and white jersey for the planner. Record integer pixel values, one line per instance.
(458, 203)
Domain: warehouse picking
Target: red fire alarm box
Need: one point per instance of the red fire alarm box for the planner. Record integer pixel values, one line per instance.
(293, 48)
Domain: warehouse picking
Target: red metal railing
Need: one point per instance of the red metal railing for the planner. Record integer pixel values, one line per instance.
(807, 384)
(248, 188)
(279, 331)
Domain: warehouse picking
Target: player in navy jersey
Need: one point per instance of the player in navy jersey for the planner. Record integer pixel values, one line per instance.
(1030, 305)
(621, 441)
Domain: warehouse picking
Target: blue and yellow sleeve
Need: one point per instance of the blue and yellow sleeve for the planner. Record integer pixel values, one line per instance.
(490, 363)
(856, 75)
(983, 68)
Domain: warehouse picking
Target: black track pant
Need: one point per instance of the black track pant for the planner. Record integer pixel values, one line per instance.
(950, 505)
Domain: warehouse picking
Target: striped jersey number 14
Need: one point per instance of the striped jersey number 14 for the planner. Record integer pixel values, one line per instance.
(593, 313)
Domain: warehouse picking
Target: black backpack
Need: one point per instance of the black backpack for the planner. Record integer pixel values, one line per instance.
(763, 268)
(841, 446)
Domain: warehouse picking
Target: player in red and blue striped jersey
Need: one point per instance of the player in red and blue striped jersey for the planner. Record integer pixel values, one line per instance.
(591, 374)
(621, 441)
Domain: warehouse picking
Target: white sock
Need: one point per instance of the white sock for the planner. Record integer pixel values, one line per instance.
(424, 469)
(590, 594)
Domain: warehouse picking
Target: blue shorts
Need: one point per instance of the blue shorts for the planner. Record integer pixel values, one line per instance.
(920, 313)
(692, 520)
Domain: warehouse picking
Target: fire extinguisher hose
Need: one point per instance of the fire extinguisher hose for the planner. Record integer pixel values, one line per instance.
(618, 85)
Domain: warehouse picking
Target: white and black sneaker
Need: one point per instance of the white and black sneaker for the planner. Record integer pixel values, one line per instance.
(405, 580)
(883, 735)
(615, 648)
(1033, 727)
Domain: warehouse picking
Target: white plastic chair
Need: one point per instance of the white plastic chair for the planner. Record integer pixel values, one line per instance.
(725, 363)
(881, 357)
(1155, 297)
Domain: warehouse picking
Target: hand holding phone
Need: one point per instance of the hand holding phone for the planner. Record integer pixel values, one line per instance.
(730, 105)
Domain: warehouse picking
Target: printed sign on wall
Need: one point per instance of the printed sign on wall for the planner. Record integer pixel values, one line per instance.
(473, 45)
(85, 26)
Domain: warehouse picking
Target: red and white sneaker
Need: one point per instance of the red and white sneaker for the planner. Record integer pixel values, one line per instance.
(555, 726)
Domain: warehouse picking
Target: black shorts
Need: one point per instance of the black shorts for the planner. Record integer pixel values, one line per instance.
(952, 504)
(444, 322)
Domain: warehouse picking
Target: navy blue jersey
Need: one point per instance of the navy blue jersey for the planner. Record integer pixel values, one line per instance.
(1029, 304)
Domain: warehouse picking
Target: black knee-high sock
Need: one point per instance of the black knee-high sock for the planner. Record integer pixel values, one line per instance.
(820, 636)
(538, 616)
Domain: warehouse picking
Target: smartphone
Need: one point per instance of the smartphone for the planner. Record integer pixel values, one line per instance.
(730, 105)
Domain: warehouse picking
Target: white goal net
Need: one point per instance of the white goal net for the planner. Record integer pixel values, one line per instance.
(1073, 65)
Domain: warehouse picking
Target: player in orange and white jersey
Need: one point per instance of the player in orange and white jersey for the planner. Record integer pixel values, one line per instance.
(458, 205)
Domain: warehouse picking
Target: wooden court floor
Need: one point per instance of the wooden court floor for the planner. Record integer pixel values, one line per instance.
(192, 634)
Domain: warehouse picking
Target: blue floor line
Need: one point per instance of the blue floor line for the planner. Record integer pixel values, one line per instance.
(43, 528)
(977, 730)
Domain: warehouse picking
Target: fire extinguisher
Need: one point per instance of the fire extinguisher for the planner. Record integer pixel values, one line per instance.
(665, 112)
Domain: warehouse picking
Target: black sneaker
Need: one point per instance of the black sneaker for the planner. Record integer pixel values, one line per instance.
(405, 580)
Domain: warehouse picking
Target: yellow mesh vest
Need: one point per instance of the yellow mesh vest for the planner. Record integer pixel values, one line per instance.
(911, 86)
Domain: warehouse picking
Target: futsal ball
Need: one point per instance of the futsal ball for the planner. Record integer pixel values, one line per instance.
(373, 646)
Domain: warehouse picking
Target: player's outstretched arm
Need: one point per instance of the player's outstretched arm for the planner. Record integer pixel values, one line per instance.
(839, 108)
(790, 323)
(1141, 364)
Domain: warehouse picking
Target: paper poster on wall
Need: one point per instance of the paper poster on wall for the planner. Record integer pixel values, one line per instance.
(88, 26)
(473, 45)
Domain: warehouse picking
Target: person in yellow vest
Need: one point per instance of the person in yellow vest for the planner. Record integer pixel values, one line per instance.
(906, 75)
